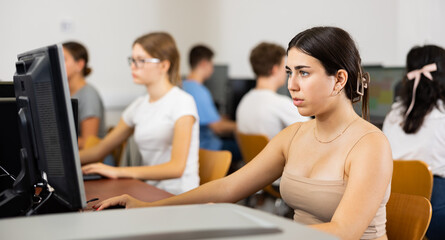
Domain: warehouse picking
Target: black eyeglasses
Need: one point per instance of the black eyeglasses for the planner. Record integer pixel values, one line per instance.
(138, 63)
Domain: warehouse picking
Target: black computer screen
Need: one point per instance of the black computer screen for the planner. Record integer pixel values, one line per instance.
(7, 90)
(9, 142)
(10, 137)
(47, 123)
(238, 88)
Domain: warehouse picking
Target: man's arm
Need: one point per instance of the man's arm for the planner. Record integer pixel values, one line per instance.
(223, 127)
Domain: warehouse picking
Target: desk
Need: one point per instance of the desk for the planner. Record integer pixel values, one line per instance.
(201, 221)
(106, 188)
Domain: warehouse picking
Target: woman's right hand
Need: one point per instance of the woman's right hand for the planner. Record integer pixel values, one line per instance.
(125, 200)
(102, 169)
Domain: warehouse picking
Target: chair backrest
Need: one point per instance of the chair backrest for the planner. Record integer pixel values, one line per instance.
(92, 141)
(250, 144)
(118, 152)
(213, 164)
(408, 216)
(412, 177)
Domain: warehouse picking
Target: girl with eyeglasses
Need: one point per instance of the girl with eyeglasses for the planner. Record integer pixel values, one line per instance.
(164, 122)
(335, 169)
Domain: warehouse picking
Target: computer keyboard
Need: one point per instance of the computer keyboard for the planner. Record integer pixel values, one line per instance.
(88, 177)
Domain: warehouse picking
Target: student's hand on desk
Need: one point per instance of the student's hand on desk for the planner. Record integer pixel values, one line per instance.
(102, 169)
(124, 200)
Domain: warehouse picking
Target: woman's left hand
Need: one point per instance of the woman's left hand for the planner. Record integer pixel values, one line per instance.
(102, 169)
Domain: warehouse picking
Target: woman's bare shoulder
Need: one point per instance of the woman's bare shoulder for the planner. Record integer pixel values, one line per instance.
(367, 128)
(370, 151)
(371, 140)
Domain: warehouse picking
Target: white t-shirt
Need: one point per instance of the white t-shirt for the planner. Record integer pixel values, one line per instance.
(153, 133)
(266, 112)
(427, 145)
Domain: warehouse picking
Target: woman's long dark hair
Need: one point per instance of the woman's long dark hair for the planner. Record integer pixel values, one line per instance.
(428, 92)
(336, 50)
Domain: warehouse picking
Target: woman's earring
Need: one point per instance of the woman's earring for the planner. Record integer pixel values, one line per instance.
(338, 92)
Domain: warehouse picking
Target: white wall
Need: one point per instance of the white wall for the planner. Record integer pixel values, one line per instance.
(384, 30)
(418, 23)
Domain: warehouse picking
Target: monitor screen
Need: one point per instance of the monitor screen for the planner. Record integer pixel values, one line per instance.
(9, 143)
(381, 92)
(217, 85)
(10, 138)
(7, 90)
(383, 82)
(238, 87)
(47, 125)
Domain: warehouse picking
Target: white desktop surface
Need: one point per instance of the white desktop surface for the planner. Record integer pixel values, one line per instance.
(202, 221)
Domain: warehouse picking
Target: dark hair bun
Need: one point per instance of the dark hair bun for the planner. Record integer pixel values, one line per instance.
(87, 71)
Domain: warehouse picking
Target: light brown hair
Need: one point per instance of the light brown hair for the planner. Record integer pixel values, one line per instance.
(161, 45)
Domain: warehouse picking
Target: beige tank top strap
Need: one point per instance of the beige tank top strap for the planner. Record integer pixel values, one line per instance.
(292, 139)
(353, 145)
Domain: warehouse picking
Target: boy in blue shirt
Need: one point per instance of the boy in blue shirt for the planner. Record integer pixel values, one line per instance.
(212, 125)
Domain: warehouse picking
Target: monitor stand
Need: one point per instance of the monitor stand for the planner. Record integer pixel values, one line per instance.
(23, 200)
(18, 200)
(47, 201)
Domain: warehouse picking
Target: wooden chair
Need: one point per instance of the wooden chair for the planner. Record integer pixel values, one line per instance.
(250, 145)
(412, 177)
(91, 141)
(408, 216)
(213, 164)
(117, 152)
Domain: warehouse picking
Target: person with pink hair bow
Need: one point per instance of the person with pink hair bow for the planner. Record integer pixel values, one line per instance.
(415, 126)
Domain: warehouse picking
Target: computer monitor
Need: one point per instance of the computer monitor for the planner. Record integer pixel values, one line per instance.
(7, 90)
(218, 86)
(10, 137)
(381, 92)
(238, 87)
(9, 142)
(47, 128)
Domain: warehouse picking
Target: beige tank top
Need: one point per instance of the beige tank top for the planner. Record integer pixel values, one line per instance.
(315, 201)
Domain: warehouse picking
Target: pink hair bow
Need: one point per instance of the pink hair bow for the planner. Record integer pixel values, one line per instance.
(416, 74)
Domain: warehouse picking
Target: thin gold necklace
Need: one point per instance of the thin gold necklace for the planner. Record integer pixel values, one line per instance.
(344, 130)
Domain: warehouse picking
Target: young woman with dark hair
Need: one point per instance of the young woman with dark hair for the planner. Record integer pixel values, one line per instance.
(164, 122)
(335, 169)
(91, 108)
(415, 127)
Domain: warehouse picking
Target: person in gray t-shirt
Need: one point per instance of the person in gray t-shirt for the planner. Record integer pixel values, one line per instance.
(91, 109)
